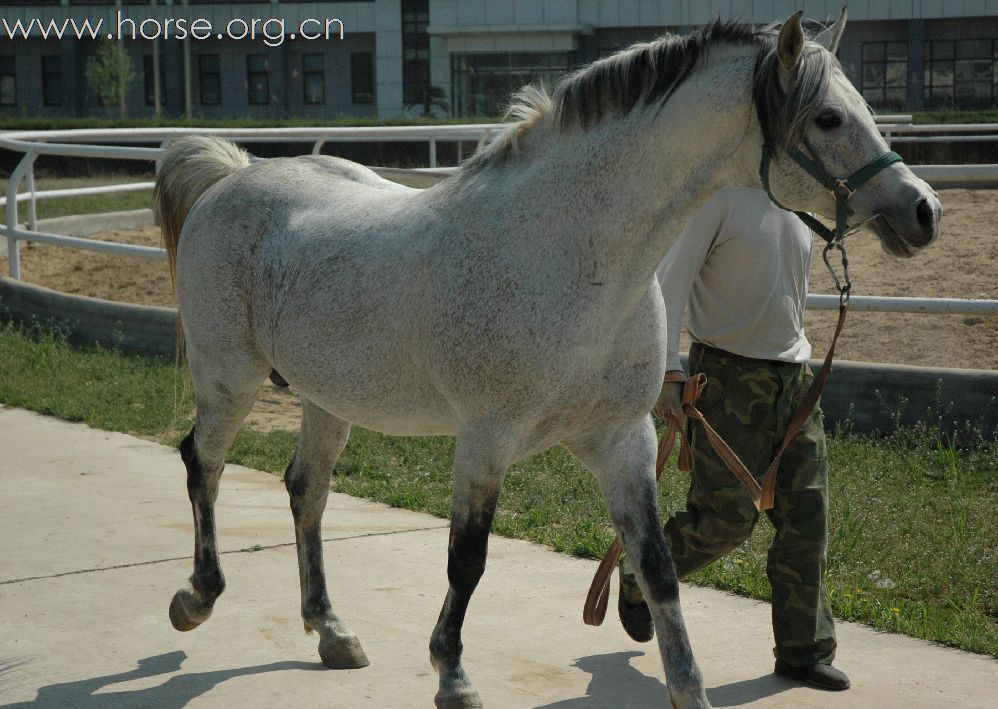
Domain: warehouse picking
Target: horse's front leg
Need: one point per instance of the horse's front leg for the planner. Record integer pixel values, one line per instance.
(623, 460)
(322, 439)
(478, 478)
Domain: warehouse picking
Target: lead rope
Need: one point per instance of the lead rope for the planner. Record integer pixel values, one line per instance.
(598, 597)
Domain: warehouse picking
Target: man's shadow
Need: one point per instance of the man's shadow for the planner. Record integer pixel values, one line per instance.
(177, 691)
(616, 683)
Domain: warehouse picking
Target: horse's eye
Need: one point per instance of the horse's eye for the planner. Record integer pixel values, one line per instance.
(828, 120)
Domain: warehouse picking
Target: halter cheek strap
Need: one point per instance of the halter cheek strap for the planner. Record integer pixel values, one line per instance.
(842, 188)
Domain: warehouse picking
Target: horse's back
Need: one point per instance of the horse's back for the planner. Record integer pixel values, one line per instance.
(310, 265)
(259, 217)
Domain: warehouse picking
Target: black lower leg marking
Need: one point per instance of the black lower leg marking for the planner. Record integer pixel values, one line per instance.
(307, 504)
(468, 550)
(202, 489)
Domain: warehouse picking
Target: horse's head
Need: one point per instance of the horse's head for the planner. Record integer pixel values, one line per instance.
(827, 153)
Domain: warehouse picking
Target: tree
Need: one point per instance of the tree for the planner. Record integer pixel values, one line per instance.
(109, 73)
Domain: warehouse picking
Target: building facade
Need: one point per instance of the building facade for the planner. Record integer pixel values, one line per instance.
(457, 57)
(270, 73)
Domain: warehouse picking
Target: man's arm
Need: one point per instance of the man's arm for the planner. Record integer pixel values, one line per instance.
(676, 276)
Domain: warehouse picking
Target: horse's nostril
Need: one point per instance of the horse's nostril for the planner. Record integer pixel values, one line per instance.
(926, 215)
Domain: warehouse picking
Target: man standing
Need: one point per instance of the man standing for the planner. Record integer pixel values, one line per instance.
(742, 266)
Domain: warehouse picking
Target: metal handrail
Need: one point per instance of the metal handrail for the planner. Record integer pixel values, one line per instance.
(891, 304)
(68, 143)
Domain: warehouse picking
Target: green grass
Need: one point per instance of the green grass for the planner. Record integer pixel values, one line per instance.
(931, 117)
(912, 533)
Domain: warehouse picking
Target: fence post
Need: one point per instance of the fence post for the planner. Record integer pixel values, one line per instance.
(317, 148)
(13, 250)
(29, 184)
(433, 152)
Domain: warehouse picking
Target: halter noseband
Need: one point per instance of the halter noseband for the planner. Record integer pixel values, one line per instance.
(842, 188)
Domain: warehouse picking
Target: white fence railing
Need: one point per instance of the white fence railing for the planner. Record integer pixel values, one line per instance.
(106, 143)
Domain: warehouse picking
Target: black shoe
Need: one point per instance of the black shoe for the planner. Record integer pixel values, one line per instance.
(818, 675)
(635, 617)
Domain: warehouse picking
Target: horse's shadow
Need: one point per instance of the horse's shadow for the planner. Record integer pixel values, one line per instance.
(616, 683)
(177, 691)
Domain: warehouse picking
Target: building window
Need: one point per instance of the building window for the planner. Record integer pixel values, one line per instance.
(313, 79)
(257, 80)
(885, 74)
(484, 82)
(8, 82)
(52, 80)
(415, 50)
(209, 79)
(150, 86)
(961, 74)
(362, 77)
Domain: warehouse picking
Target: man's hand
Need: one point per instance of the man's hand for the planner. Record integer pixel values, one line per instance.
(670, 402)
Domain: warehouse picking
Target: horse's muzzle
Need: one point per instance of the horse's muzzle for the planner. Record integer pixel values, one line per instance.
(904, 233)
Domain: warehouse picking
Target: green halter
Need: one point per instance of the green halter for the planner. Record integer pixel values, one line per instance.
(842, 188)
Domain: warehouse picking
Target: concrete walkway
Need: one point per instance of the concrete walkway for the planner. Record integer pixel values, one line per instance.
(97, 533)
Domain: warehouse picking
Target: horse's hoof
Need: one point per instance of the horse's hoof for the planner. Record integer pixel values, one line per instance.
(467, 699)
(456, 692)
(182, 617)
(344, 653)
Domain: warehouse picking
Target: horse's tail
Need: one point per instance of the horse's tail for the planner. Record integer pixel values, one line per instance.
(189, 167)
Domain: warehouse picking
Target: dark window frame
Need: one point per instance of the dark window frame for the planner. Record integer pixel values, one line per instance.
(257, 73)
(415, 50)
(944, 66)
(51, 80)
(8, 70)
(362, 78)
(148, 88)
(891, 90)
(509, 69)
(313, 73)
(206, 75)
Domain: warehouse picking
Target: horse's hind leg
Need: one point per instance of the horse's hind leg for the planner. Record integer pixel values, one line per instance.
(623, 461)
(478, 477)
(222, 405)
(322, 439)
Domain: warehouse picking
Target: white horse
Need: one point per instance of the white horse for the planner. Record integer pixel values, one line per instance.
(514, 305)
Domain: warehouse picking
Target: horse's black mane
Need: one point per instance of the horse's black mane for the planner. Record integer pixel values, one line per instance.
(650, 72)
(643, 74)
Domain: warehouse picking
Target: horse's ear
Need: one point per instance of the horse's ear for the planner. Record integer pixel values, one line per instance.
(830, 36)
(790, 42)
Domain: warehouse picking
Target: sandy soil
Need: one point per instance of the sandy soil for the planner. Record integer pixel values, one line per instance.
(962, 264)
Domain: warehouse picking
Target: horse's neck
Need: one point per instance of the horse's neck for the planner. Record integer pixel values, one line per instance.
(629, 185)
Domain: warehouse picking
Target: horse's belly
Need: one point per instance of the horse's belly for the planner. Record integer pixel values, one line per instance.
(402, 421)
(366, 387)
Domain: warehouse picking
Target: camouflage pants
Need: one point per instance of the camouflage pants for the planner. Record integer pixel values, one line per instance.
(749, 403)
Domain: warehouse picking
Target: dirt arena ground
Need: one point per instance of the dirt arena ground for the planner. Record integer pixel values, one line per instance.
(963, 263)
